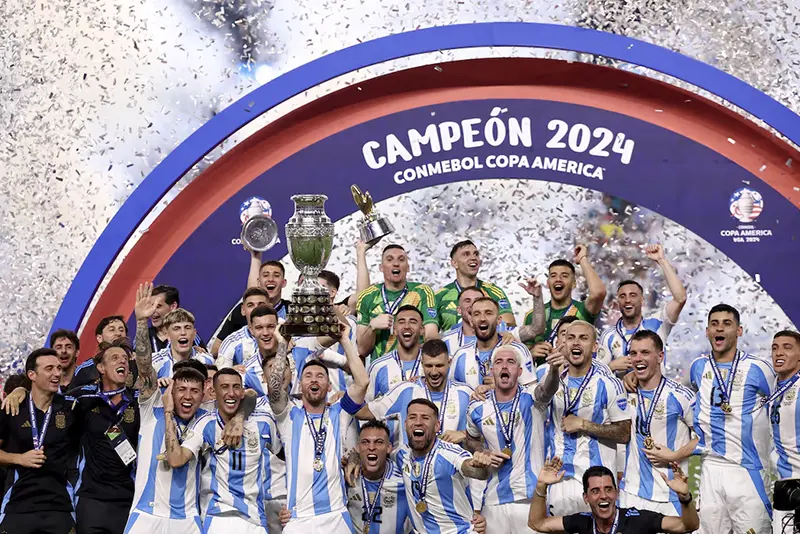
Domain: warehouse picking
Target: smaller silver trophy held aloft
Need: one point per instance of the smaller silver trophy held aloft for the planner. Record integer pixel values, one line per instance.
(374, 226)
(259, 230)
(309, 237)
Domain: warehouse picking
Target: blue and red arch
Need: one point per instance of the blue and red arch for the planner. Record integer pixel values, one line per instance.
(187, 250)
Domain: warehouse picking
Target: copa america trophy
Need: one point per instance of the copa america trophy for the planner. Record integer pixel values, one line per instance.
(374, 226)
(309, 237)
(259, 231)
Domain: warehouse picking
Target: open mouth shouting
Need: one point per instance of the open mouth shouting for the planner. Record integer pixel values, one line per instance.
(719, 341)
(54, 382)
(604, 506)
(483, 327)
(121, 372)
(184, 343)
(558, 287)
(372, 461)
(628, 309)
(396, 272)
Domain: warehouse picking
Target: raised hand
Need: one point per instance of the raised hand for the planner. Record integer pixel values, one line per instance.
(581, 253)
(557, 357)
(654, 252)
(145, 303)
(679, 483)
(551, 473)
(532, 287)
(167, 400)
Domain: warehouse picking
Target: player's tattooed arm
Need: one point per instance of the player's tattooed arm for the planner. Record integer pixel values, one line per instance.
(528, 333)
(177, 456)
(278, 397)
(144, 309)
(473, 445)
(618, 431)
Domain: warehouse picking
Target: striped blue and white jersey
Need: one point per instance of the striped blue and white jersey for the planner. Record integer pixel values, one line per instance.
(671, 424)
(742, 436)
(455, 338)
(310, 492)
(615, 340)
(603, 400)
(469, 365)
(388, 371)
(390, 515)
(515, 479)
(274, 467)
(236, 348)
(163, 360)
(160, 490)
(254, 374)
(393, 406)
(784, 417)
(447, 496)
(232, 481)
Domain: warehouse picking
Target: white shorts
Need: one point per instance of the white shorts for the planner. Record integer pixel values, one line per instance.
(272, 509)
(566, 498)
(629, 500)
(779, 517)
(330, 523)
(142, 523)
(230, 524)
(511, 518)
(733, 499)
(477, 488)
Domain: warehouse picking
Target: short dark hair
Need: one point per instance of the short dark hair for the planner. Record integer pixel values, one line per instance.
(630, 283)
(31, 361)
(171, 294)
(120, 343)
(189, 374)
(597, 471)
(434, 347)
(458, 246)
(273, 263)
(311, 363)
(331, 278)
(69, 334)
(252, 292)
(486, 299)
(227, 371)
(410, 307)
(263, 311)
(424, 402)
(391, 247)
(469, 288)
(191, 363)
(13, 382)
(724, 308)
(652, 336)
(105, 321)
(788, 333)
(565, 320)
(561, 263)
(374, 423)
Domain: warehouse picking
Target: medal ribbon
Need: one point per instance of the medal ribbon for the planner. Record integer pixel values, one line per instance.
(221, 424)
(426, 470)
(106, 396)
(444, 401)
(571, 404)
(778, 392)
(613, 526)
(483, 367)
(318, 436)
(414, 369)
(392, 307)
(38, 439)
(645, 417)
(554, 333)
(626, 340)
(508, 431)
(369, 507)
(725, 389)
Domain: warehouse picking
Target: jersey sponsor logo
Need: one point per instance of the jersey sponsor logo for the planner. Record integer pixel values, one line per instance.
(622, 403)
(432, 313)
(61, 421)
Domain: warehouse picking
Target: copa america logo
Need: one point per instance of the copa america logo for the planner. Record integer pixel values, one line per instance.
(746, 205)
(254, 206)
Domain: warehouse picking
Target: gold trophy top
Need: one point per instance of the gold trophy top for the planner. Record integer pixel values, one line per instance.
(362, 200)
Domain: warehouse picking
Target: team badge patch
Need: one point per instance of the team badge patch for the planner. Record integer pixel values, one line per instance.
(61, 421)
(129, 416)
(129, 380)
(503, 303)
(622, 403)
(388, 500)
(432, 313)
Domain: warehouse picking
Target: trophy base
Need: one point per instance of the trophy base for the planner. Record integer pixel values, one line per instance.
(310, 314)
(374, 231)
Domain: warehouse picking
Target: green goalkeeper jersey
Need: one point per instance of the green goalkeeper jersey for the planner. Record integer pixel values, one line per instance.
(447, 302)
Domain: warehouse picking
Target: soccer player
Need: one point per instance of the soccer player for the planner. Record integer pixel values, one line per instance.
(615, 342)
(39, 497)
(512, 421)
(67, 346)
(734, 434)
(472, 363)
(462, 332)
(167, 299)
(451, 398)
(379, 303)
(660, 430)
(109, 417)
(588, 416)
(600, 493)
(108, 330)
(402, 363)
(466, 260)
(313, 433)
(561, 282)
(238, 346)
(436, 473)
(181, 331)
(782, 406)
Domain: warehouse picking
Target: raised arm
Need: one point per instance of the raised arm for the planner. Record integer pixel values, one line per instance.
(527, 333)
(358, 389)
(538, 520)
(597, 290)
(618, 431)
(545, 391)
(362, 274)
(177, 456)
(277, 394)
(674, 306)
(255, 269)
(144, 309)
(688, 520)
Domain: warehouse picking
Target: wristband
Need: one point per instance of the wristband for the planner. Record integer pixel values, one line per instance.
(687, 501)
(536, 490)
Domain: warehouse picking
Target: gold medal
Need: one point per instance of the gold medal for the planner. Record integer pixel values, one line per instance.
(649, 442)
(161, 457)
(421, 507)
(318, 464)
(366, 527)
(507, 451)
(726, 407)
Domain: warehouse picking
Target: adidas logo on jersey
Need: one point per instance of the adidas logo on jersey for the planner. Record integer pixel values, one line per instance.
(26, 424)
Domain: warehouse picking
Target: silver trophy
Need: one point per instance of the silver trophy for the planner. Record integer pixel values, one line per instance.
(309, 237)
(374, 226)
(259, 230)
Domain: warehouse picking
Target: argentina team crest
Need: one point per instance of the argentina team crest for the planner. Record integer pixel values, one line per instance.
(61, 421)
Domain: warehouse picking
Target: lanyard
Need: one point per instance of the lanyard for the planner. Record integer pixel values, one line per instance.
(388, 307)
(613, 526)
(414, 369)
(571, 404)
(317, 436)
(554, 332)
(221, 424)
(426, 470)
(443, 406)
(507, 429)
(483, 367)
(38, 439)
(369, 507)
(106, 396)
(725, 389)
(626, 340)
(645, 417)
(778, 392)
